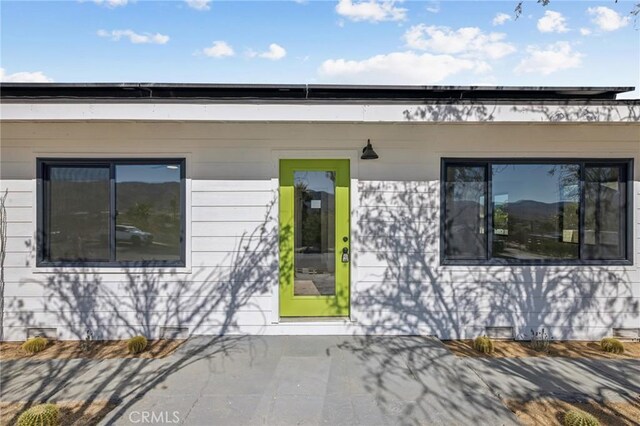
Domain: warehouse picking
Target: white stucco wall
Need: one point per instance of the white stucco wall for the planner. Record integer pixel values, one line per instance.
(230, 282)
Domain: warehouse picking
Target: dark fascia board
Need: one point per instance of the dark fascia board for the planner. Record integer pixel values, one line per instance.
(167, 92)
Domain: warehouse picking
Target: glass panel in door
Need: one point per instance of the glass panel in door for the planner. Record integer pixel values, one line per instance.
(314, 233)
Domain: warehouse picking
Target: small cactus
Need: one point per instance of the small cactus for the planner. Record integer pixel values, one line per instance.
(579, 418)
(137, 344)
(610, 344)
(40, 415)
(483, 344)
(35, 345)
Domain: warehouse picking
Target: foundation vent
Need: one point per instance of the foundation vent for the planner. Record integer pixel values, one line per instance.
(48, 333)
(627, 333)
(174, 332)
(499, 333)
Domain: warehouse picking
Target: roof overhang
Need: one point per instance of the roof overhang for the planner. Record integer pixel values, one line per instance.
(159, 92)
(312, 103)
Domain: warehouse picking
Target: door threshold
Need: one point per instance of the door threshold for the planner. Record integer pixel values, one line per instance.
(315, 319)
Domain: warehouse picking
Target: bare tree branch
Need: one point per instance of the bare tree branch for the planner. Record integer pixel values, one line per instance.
(635, 11)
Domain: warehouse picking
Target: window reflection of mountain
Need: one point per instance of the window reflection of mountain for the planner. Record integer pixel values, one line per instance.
(537, 229)
(535, 210)
(543, 229)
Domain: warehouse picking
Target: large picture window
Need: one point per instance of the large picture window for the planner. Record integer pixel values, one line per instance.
(536, 211)
(111, 212)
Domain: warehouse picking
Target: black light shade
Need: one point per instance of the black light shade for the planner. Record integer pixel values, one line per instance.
(368, 153)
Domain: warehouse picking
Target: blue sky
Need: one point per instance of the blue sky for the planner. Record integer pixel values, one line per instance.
(347, 41)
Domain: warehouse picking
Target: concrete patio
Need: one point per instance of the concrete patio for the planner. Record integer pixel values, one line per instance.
(314, 380)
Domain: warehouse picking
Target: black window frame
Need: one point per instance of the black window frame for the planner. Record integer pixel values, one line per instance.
(41, 166)
(626, 164)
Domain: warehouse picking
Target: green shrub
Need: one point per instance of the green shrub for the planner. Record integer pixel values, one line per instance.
(610, 344)
(137, 344)
(483, 344)
(35, 345)
(579, 418)
(40, 415)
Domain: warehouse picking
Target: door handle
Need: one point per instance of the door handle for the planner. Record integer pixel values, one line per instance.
(345, 255)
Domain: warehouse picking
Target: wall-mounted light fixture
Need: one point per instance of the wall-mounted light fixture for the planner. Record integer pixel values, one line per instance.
(368, 153)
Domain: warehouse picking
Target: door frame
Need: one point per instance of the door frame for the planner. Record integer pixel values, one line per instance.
(353, 155)
(338, 304)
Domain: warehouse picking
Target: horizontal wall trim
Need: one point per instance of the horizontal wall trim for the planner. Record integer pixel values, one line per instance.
(399, 113)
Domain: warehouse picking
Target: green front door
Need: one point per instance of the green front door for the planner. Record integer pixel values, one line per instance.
(314, 238)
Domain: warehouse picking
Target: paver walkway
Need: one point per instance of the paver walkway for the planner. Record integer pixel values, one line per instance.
(562, 378)
(315, 380)
(276, 381)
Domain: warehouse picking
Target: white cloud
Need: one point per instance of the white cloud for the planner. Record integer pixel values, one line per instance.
(24, 77)
(274, 53)
(111, 3)
(585, 31)
(219, 49)
(552, 58)
(470, 41)
(433, 7)
(146, 38)
(199, 4)
(399, 67)
(552, 22)
(500, 19)
(371, 10)
(607, 19)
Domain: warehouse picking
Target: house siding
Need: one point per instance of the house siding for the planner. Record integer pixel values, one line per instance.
(230, 282)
